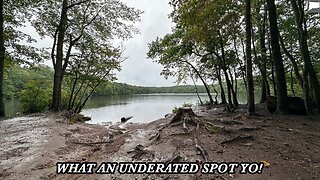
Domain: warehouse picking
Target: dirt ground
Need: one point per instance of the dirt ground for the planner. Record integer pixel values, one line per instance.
(31, 145)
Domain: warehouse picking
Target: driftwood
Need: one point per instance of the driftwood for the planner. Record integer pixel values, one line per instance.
(93, 143)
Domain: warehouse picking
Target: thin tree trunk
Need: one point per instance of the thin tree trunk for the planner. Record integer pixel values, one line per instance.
(79, 109)
(2, 57)
(194, 83)
(72, 91)
(235, 81)
(224, 69)
(273, 79)
(234, 94)
(282, 97)
(292, 82)
(216, 96)
(203, 81)
(250, 92)
(293, 62)
(239, 61)
(223, 95)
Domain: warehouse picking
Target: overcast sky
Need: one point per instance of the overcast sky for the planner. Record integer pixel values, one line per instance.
(138, 70)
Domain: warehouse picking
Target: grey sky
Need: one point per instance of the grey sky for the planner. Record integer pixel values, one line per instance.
(138, 70)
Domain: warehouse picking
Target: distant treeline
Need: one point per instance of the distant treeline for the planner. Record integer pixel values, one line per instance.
(17, 79)
(122, 88)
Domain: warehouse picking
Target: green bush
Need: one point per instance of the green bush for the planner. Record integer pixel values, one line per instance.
(36, 96)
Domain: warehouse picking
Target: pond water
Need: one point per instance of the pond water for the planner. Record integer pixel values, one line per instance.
(144, 108)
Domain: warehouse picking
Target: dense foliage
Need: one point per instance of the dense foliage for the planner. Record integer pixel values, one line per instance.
(227, 41)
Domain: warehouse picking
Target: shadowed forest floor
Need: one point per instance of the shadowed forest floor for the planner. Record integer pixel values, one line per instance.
(31, 146)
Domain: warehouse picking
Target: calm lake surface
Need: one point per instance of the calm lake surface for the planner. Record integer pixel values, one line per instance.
(144, 108)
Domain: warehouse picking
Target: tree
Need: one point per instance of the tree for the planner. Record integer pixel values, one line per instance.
(282, 97)
(173, 53)
(309, 73)
(2, 52)
(210, 26)
(88, 70)
(97, 20)
(12, 15)
(250, 86)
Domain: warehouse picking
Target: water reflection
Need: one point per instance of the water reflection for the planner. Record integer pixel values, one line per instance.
(144, 108)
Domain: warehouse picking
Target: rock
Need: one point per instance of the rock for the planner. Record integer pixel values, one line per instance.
(296, 105)
(272, 104)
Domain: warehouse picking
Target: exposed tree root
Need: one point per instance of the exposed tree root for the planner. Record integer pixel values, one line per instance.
(183, 133)
(237, 138)
(175, 158)
(203, 152)
(155, 137)
(140, 151)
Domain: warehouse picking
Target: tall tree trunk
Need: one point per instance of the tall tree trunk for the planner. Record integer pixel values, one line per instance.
(243, 73)
(282, 96)
(224, 69)
(264, 83)
(58, 72)
(298, 9)
(273, 79)
(250, 92)
(223, 95)
(234, 93)
(2, 57)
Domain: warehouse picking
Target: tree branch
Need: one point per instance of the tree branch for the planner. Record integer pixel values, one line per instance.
(75, 4)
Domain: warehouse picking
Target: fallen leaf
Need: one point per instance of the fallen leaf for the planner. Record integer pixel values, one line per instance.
(265, 163)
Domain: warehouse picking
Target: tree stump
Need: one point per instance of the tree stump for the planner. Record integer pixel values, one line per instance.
(184, 114)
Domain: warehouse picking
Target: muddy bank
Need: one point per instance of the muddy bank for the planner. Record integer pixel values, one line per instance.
(31, 146)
